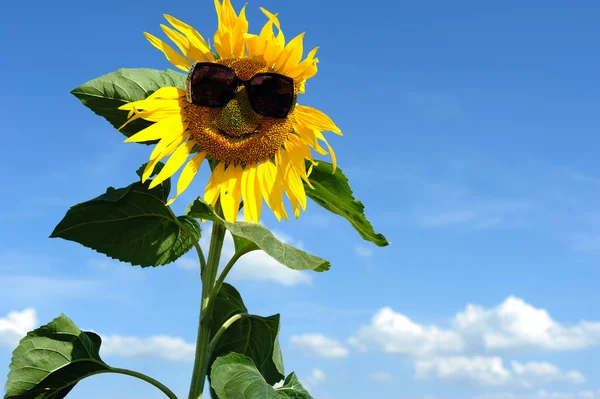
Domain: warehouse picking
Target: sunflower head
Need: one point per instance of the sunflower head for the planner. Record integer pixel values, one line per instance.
(260, 155)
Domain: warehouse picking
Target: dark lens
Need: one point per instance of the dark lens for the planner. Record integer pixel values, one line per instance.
(212, 85)
(271, 94)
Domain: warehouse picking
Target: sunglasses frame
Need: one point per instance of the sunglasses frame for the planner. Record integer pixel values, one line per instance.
(239, 82)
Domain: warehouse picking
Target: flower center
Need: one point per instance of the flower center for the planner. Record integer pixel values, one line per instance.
(235, 133)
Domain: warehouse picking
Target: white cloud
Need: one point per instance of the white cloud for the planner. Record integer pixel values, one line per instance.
(544, 372)
(513, 324)
(319, 345)
(397, 334)
(490, 371)
(16, 325)
(382, 377)
(542, 394)
(317, 376)
(363, 251)
(256, 265)
(516, 324)
(157, 346)
(356, 344)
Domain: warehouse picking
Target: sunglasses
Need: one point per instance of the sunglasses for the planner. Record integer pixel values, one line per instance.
(214, 85)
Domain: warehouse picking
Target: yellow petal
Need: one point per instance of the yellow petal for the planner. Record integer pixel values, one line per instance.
(163, 149)
(212, 190)
(183, 44)
(174, 163)
(174, 57)
(250, 41)
(187, 174)
(322, 138)
(271, 187)
(158, 130)
(251, 194)
(306, 69)
(195, 39)
(311, 117)
(240, 28)
(292, 181)
(230, 192)
(167, 93)
(291, 55)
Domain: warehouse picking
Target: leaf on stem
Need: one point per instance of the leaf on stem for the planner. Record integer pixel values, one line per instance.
(253, 336)
(235, 376)
(50, 360)
(332, 191)
(131, 224)
(104, 95)
(244, 233)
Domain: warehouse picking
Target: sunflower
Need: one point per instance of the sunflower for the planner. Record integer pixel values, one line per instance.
(254, 155)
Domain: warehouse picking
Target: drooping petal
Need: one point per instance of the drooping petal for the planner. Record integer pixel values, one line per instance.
(187, 174)
(212, 190)
(230, 192)
(163, 149)
(271, 187)
(251, 194)
(313, 118)
(175, 161)
(173, 56)
(331, 152)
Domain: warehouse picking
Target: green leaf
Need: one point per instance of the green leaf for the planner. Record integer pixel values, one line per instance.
(131, 224)
(235, 376)
(254, 336)
(262, 238)
(104, 95)
(293, 389)
(50, 360)
(332, 192)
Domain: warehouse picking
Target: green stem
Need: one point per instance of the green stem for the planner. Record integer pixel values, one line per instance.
(209, 276)
(149, 380)
(223, 328)
(221, 279)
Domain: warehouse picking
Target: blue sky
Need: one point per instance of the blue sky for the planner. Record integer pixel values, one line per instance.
(470, 133)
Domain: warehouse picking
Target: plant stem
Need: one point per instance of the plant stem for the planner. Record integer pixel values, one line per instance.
(209, 276)
(149, 380)
(221, 279)
(223, 328)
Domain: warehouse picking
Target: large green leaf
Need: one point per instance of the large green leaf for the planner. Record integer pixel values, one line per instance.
(293, 389)
(253, 336)
(262, 238)
(131, 224)
(332, 192)
(50, 360)
(235, 376)
(104, 95)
